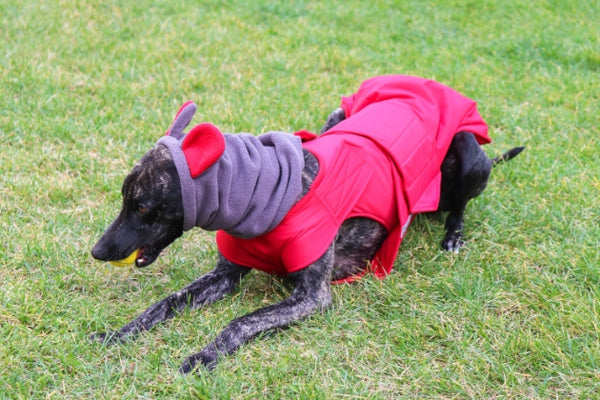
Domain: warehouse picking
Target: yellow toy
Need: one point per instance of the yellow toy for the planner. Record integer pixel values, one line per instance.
(126, 261)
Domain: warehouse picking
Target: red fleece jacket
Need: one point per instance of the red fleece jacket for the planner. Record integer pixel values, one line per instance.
(382, 162)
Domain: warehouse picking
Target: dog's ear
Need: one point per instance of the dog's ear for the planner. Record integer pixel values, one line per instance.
(202, 147)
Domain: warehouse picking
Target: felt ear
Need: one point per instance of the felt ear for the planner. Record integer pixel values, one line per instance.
(202, 146)
(183, 107)
(182, 119)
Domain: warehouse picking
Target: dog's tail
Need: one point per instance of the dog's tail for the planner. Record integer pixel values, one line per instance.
(512, 153)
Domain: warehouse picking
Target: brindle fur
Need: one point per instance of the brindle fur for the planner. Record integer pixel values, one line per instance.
(152, 217)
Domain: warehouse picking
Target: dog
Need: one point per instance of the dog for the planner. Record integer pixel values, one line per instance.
(348, 194)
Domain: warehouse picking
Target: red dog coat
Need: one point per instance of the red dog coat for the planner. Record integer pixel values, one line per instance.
(382, 162)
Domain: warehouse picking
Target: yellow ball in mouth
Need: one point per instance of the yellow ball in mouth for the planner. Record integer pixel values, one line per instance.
(126, 261)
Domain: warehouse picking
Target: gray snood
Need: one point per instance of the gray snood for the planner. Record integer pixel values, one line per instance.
(248, 190)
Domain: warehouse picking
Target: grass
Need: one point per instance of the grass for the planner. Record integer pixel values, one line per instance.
(87, 86)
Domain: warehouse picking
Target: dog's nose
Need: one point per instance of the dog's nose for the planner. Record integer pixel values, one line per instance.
(99, 252)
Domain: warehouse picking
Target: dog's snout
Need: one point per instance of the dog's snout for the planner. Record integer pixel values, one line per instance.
(97, 252)
(100, 251)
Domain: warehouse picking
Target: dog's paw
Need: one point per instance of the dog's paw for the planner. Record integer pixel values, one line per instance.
(453, 242)
(205, 358)
(106, 338)
(188, 366)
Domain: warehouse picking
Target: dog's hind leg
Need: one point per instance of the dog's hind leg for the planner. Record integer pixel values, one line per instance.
(312, 291)
(337, 116)
(205, 290)
(465, 172)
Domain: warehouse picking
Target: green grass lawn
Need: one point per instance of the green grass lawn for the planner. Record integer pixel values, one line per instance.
(86, 87)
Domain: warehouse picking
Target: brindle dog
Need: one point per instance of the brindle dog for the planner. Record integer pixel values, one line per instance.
(152, 218)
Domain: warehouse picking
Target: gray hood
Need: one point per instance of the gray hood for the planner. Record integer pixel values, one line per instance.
(246, 185)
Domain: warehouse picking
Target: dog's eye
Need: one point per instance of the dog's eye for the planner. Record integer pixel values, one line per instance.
(141, 208)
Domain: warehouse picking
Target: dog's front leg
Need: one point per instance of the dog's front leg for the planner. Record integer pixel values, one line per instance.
(205, 290)
(312, 292)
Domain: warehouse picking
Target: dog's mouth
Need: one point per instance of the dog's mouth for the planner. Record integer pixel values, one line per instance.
(142, 259)
(146, 256)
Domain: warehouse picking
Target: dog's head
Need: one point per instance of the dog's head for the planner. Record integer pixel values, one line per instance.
(158, 198)
(151, 217)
